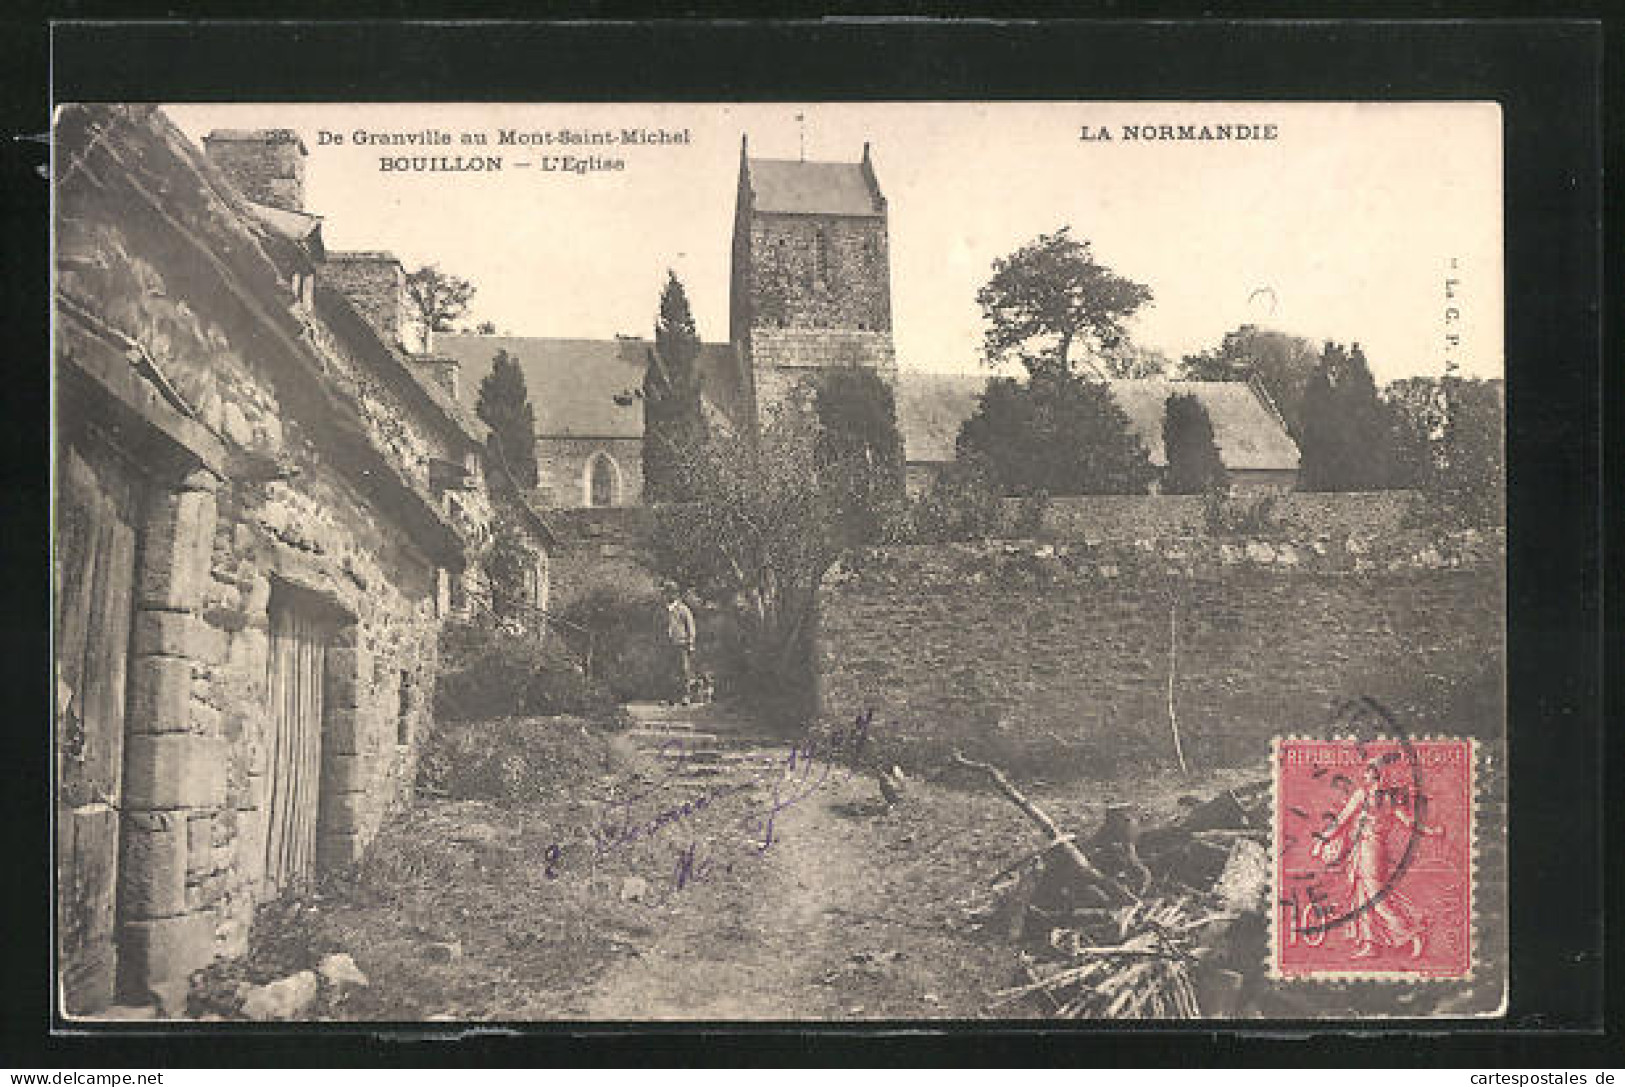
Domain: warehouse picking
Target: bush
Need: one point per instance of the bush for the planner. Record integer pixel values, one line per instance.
(959, 505)
(622, 638)
(511, 760)
(486, 672)
(1030, 510)
(1240, 515)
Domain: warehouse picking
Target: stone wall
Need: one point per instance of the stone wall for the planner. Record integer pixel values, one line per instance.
(600, 548)
(1054, 659)
(375, 283)
(809, 291)
(1300, 515)
(561, 468)
(791, 287)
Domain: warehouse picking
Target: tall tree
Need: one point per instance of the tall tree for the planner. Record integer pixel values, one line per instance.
(859, 453)
(1048, 296)
(673, 419)
(1345, 426)
(757, 536)
(1194, 464)
(504, 406)
(438, 299)
(1056, 434)
(1468, 482)
(1416, 411)
(1279, 361)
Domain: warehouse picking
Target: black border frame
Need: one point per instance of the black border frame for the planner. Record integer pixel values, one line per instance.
(1545, 73)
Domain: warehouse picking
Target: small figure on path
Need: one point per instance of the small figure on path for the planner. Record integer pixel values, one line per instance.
(680, 632)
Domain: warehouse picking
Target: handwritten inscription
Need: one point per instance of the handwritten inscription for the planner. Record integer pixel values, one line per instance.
(801, 770)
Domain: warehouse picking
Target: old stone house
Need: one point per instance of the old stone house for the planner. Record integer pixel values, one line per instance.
(1257, 451)
(265, 508)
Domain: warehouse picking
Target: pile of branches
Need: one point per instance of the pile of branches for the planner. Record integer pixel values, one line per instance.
(1140, 923)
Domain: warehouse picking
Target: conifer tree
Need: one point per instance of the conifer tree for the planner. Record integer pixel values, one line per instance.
(1194, 464)
(504, 406)
(673, 420)
(1345, 441)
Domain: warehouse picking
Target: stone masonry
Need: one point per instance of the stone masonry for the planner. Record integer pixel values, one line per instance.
(298, 475)
(811, 287)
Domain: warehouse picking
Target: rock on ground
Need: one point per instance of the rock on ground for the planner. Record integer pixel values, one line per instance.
(287, 998)
(339, 970)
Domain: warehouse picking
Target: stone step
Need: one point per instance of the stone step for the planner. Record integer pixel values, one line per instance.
(654, 737)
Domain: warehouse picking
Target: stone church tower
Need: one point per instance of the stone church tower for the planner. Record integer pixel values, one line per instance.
(811, 286)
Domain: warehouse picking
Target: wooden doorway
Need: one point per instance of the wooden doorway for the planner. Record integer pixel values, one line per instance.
(300, 633)
(98, 506)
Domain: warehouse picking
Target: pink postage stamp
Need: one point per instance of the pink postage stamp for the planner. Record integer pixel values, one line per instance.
(1373, 859)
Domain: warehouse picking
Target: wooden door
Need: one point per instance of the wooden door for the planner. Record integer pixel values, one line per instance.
(98, 497)
(298, 646)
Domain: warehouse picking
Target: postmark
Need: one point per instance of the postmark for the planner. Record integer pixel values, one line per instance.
(1373, 856)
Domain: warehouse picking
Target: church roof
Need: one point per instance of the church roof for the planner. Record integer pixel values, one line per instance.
(586, 388)
(1248, 434)
(931, 408)
(790, 186)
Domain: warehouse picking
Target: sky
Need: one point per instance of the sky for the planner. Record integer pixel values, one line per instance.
(1346, 226)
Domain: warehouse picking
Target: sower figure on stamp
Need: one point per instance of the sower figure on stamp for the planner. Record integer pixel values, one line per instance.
(1381, 913)
(680, 632)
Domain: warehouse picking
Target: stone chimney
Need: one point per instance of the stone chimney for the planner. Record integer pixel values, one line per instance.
(443, 370)
(266, 164)
(375, 284)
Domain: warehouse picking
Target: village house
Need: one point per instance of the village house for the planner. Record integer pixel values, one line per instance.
(266, 507)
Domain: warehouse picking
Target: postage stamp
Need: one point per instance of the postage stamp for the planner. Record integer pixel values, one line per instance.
(1373, 864)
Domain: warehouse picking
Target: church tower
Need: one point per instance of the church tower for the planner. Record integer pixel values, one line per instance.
(811, 285)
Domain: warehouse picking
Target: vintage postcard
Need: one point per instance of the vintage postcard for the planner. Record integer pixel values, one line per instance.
(812, 561)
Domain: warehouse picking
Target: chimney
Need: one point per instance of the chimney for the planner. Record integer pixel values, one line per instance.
(443, 370)
(266, 164)
(375, 284)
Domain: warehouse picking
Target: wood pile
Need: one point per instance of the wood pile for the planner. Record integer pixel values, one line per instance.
(1140, 922)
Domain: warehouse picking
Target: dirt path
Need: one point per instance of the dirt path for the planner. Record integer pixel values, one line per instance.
(650, 890)
(819, 924)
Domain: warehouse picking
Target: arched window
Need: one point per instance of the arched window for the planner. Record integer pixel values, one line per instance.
(603, 480)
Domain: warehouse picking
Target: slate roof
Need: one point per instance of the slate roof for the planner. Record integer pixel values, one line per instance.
(930, 410)
(1248, 434)
(580, 388)
(789, 186)
(931, 407)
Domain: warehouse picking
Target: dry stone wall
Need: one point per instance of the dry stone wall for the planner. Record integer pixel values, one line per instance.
(1056, 657)
(1303, 516)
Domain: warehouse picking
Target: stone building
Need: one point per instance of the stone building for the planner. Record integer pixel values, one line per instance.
(264, 509)
(810, 290)
(811, 281)
(589, 408)
(1257, 451)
